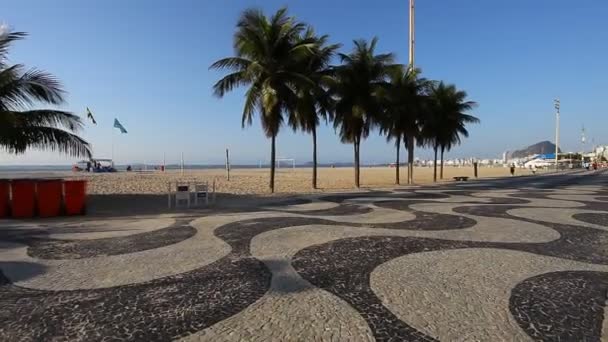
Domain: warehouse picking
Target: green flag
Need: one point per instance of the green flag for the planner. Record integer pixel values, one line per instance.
(118, 125)
(90, 116)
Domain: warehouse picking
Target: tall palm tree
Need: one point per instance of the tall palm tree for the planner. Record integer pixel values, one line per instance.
(404, 105)
(21, 126)
(448, 119)
(314, 101)
(268, 58)
(358, 89)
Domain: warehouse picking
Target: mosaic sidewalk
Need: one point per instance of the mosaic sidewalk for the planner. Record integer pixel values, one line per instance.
(515, 259)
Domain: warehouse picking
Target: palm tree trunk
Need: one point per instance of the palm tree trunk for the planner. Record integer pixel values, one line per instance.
(314, 157)
(410, 160)
(441, 170)
(397, 161)
(435, 165)
(356, 145)
(272, 162)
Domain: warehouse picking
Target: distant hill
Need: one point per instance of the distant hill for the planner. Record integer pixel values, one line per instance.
(543, 147)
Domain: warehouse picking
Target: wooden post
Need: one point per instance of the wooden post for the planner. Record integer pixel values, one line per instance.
(207, 193)
(182, 163)
(169, 195)
(228, 164)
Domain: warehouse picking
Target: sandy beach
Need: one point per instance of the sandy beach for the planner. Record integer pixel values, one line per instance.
(288, 181)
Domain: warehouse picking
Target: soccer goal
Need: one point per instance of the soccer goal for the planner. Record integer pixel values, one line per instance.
(286, 163)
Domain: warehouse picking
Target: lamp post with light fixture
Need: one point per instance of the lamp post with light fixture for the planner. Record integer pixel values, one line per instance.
(556, 103)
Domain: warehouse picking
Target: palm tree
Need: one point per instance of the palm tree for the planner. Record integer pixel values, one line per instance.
(448, 119)
(314, 101)
(22, 127)
(358, 89)
(404, 106)
(268, 58)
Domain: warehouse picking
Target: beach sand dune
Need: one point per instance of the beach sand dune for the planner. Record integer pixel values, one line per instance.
(288, 181)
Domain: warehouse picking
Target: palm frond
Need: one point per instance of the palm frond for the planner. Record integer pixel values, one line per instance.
(372, 44)
(447, 123)
(345, 59)
(252, 17)
(272, 121)
(50, 118)
(386, 58)
(231, 63)
(6, 39)
(252, 102)
(44, 138)
(229, 82)
(20, 88)
(21, 128)
(465, 118)
(280, 18)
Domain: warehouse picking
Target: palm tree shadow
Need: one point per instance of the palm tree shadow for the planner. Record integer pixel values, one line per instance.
(121, 205)
(285, 279)
(19, 271)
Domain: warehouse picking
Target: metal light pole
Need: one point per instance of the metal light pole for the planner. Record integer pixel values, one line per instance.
(410, 162)
(412, 35)
(556, 104)
(583, 140)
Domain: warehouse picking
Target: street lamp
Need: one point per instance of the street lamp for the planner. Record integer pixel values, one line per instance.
(410, 162)
(583, 140)
(556, 103)
(412, 36)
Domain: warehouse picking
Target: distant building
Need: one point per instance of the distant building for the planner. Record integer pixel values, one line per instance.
(601, 153)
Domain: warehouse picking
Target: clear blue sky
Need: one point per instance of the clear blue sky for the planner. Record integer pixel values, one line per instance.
(146, 63)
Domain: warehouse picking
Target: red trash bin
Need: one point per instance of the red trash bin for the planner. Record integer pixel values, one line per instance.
(4, 199)
(75, 196)
(24, 198)
(49, 197)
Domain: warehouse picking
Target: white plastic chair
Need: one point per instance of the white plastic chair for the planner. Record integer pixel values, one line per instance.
(201, 190)
(182, 194)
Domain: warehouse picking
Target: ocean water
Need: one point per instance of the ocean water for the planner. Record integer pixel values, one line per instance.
(62, 168)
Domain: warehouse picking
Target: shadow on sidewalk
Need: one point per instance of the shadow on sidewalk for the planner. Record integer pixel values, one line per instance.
(117, 205)
(19, 271)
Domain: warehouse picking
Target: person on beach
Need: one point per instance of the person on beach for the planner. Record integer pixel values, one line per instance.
(512, 169)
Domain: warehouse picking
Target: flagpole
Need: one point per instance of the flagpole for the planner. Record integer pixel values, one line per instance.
(118, 125)
(228, 164)
(112, 144)
(182, 164)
